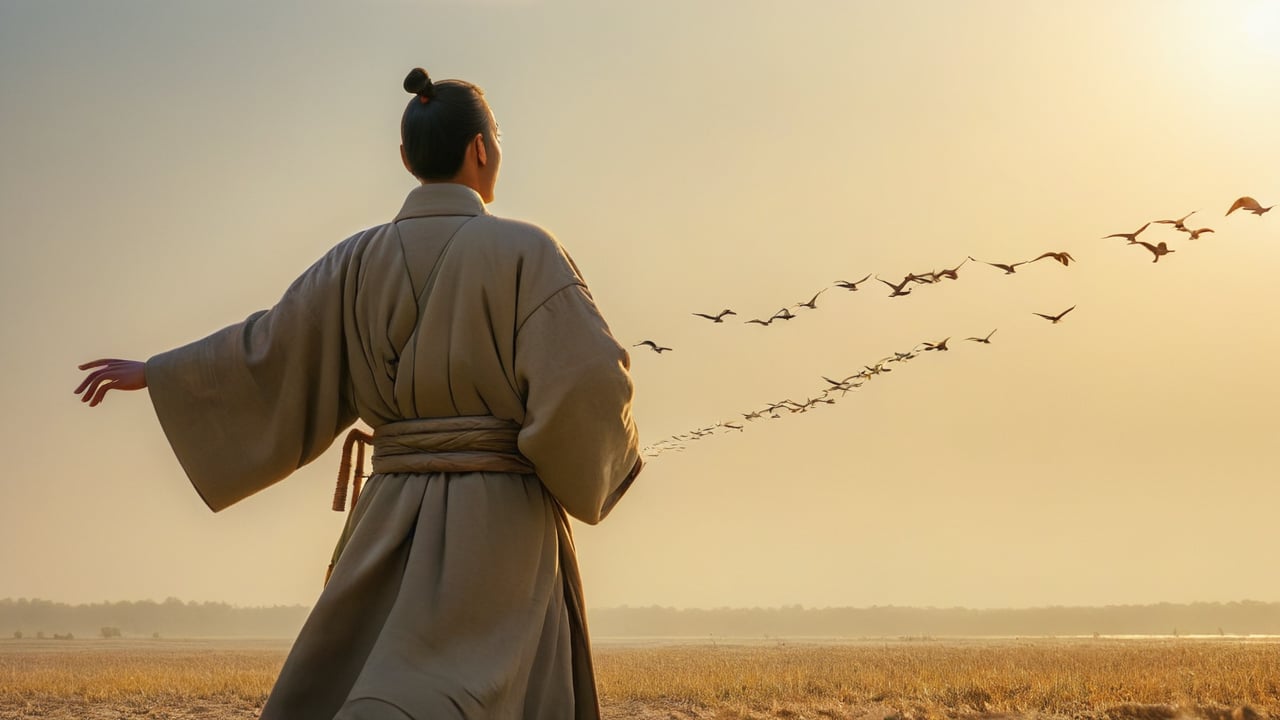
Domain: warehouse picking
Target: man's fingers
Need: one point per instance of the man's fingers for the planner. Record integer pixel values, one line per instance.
(88, 380)
(96, 381)
(92, 380)
(88, 394)
(102, 390)
(98, 362)
(109, 374)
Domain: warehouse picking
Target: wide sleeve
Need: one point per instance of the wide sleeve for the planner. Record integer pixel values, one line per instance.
(246, 406)
(578, 430)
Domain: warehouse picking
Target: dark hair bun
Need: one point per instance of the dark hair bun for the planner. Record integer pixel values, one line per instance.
(419, 83)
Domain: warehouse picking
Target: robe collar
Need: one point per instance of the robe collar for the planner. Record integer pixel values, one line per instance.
(441, 199)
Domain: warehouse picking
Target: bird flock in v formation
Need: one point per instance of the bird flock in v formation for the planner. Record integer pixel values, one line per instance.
(835, 388)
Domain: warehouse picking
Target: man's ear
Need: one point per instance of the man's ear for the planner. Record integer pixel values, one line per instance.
(482, 153)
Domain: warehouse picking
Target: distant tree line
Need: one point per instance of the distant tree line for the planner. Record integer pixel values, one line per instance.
(1234, 618)
(174, 618)
(32, 618)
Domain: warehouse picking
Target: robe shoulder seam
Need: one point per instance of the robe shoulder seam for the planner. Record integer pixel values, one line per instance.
(548, 298)
(347, 254)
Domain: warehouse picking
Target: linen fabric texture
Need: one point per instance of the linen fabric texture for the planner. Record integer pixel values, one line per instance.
(456, 594)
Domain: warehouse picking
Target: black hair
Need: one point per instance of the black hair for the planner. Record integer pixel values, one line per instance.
(439, 122)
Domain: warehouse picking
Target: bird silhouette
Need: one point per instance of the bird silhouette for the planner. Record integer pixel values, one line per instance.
(1008, 269)
(897, 289)
(718, 317)
(936, 346)
(1062, 257)
(1055, 319)
(1177, 224)
(844, 386)
(1156, 250)
(653, 345)
(1131, 237)
(1248, 203)
(812, 303)
(950, 274)
(844, 389)
(758, 321)
(828, 394)
(851, 286)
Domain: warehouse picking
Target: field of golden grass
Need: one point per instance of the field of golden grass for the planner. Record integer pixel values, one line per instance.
(1122, 679)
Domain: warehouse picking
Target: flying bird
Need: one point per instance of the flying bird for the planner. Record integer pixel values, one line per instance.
(984, 340)
(812, 304)
(897, 289)
(1131, 237)
(655, 346)
(1177, 224)
(1056, 318)
(758, 321)
(1062, 257)
(718, 317)
(936, 346)
(1008, 269)
(783, 314)
(1156, 250)
(1249, 204)
(1195, 234)
(851, 286)
(950, 274)
(844, 389)
(844, 386)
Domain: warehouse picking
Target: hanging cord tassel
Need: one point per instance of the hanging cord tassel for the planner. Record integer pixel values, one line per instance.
(359, 476)
(361, 439)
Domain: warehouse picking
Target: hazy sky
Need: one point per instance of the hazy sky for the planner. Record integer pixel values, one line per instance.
(166, 168)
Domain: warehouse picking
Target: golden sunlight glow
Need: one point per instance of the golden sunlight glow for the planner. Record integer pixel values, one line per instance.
(742, 155)
(1260, 23)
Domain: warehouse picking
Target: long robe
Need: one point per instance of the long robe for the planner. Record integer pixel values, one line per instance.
(456, 594)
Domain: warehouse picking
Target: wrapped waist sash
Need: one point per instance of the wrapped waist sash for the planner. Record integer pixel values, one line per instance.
(471, 443)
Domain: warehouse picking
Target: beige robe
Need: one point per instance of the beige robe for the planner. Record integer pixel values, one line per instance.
(457, 593)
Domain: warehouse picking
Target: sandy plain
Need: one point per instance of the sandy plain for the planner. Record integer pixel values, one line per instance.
(898, 679)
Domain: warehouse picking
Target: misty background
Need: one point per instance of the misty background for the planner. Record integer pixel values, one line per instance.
(169, 168)
(172, 618)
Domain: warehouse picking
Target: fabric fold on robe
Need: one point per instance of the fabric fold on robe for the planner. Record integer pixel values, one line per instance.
(457, 594)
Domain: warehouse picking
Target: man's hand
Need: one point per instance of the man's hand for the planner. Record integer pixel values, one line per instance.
(111, 374)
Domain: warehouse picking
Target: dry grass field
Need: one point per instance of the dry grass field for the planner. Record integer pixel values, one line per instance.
(1122, 679)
